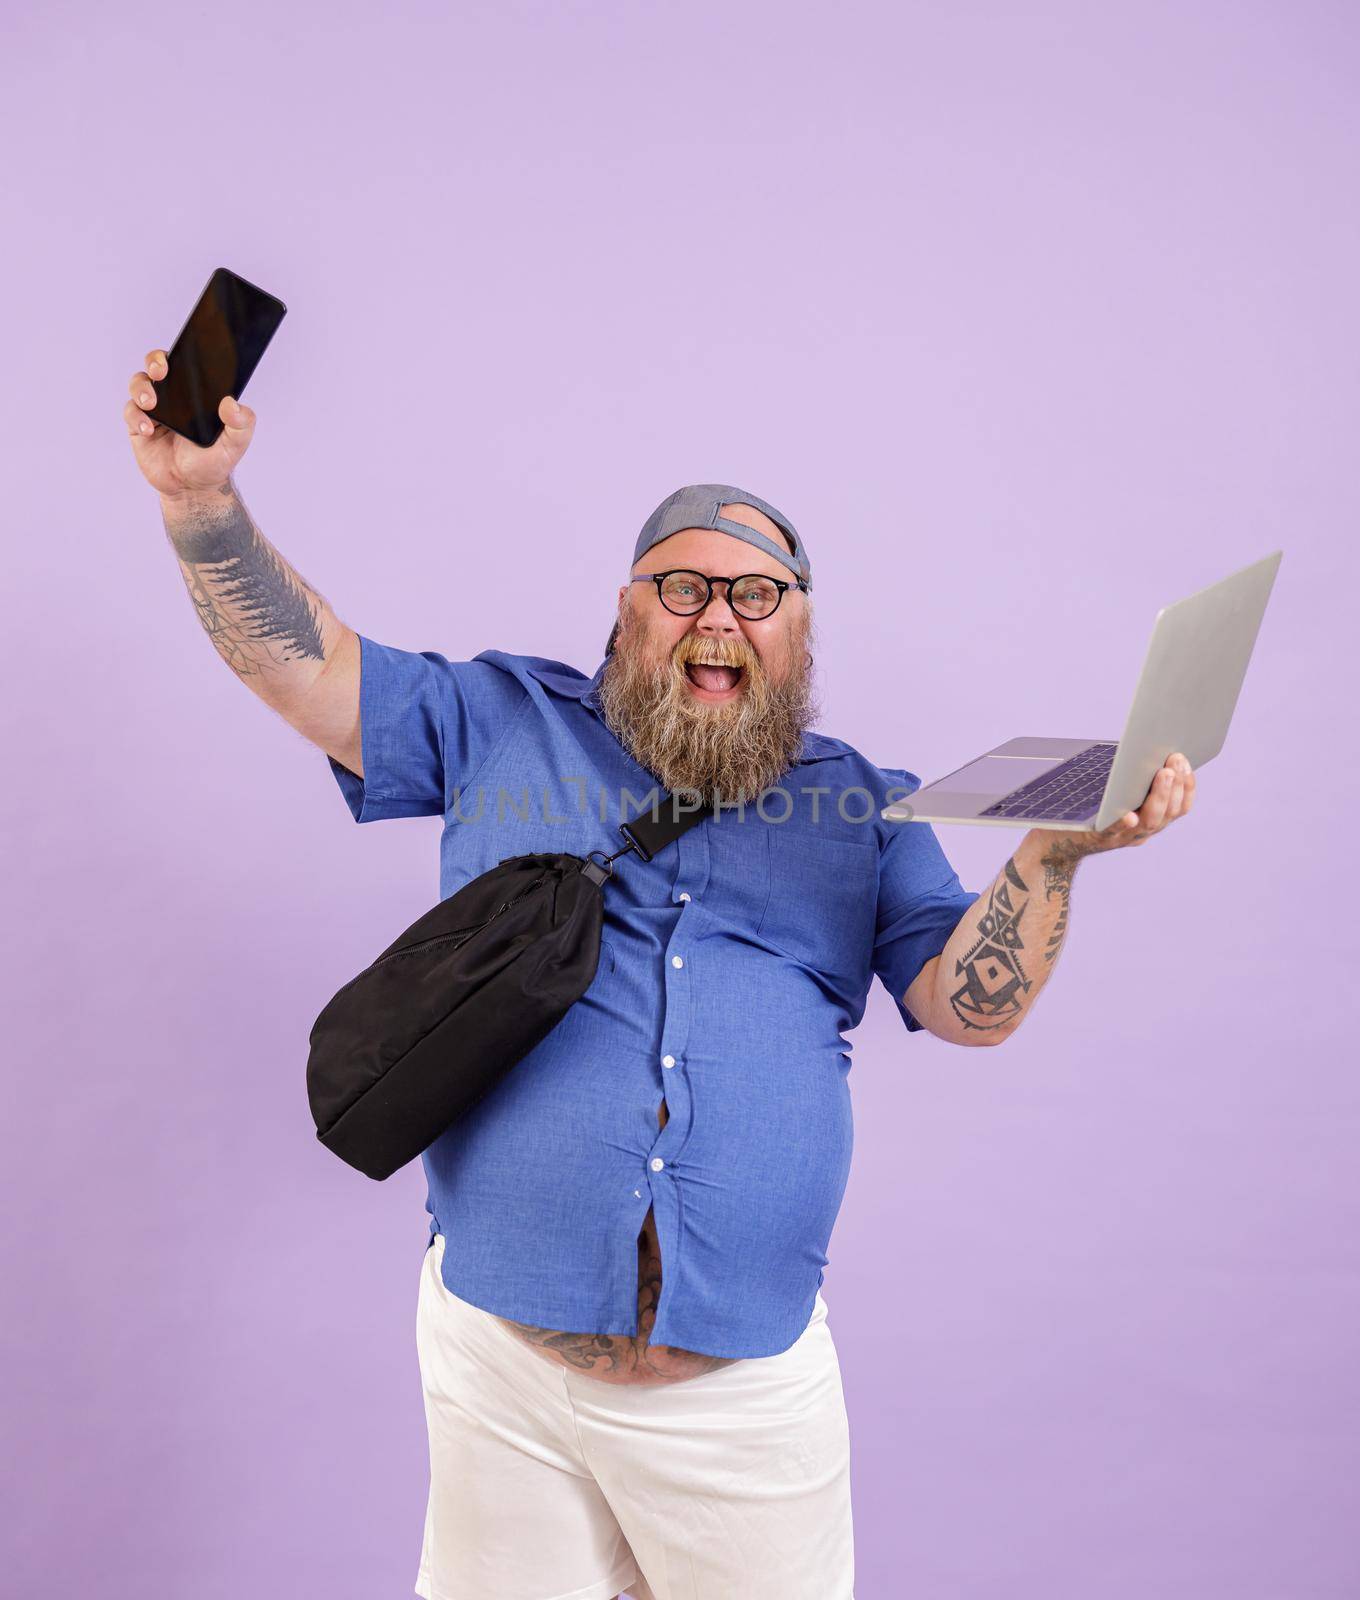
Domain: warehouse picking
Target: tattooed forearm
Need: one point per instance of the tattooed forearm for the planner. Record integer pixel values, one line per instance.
(993, 973)
(1057, 881)
(259, 613)
(1006, 944)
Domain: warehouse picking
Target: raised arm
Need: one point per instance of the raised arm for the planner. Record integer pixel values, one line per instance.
(277, 633)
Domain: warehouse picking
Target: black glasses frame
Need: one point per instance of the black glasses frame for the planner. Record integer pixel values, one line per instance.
(658, 578)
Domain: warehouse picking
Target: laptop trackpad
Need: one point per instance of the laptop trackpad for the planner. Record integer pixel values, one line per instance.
(993, 776)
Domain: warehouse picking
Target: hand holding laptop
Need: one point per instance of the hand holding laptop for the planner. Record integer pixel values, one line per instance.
(1169, 798)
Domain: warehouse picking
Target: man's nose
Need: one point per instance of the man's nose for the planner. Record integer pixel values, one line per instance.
(718, 617)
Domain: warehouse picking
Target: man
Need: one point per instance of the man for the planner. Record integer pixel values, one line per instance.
(629, 1376)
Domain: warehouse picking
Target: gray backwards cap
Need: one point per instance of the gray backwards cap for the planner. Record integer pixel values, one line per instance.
(699, 505)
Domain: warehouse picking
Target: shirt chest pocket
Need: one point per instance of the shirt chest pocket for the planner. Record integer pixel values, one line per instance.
(823, 903)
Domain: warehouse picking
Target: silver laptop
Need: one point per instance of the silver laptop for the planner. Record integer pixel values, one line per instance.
(1184, 701)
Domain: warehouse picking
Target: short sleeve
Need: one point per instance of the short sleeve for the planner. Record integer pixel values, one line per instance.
(920, 901)
(426, 725)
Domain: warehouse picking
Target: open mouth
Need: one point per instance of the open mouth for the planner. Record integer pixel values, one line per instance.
(716, 679)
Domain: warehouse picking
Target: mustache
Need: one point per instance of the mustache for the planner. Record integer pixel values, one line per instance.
(714, 652)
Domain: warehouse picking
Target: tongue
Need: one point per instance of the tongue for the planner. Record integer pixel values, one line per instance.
(716, 678)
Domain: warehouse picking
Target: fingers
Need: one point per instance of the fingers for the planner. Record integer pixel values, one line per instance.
(142, 387)
(1171, 794)
(143, 391)
(1184, 790)
(1177, 801)
(1150, 817)
(1169, 798)
(1152, 812)
(139, 425)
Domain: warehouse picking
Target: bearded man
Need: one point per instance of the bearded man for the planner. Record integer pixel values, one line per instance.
(629, 1376)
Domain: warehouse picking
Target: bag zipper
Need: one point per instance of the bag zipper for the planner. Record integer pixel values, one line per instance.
(462, 935)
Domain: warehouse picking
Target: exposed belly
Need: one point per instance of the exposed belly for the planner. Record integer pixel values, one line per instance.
(620, 1357)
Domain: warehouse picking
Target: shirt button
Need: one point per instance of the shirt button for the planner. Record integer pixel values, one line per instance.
(668, 1061)
(684, 897)
(676, 961)
(657, 1163)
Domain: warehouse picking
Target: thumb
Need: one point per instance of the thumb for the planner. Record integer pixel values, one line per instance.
(236, 416)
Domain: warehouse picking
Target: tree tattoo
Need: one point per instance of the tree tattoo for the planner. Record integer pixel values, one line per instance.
(253, 606)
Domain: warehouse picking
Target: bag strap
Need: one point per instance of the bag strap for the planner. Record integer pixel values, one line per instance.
(649, 833)
(653, 831)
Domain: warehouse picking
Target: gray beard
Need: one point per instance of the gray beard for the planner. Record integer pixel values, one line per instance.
(731, 752)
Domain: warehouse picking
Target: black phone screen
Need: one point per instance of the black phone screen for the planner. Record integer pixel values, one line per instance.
(217, 350)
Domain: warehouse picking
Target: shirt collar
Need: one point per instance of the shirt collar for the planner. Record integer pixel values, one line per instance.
(571, 683)
(576, 686)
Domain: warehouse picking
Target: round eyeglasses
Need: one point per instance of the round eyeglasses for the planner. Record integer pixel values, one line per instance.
(754, 596)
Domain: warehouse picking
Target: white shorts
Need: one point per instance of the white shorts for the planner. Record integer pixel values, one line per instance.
(546, 1484)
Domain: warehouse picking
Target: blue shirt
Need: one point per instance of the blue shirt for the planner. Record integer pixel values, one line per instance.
(731, 967)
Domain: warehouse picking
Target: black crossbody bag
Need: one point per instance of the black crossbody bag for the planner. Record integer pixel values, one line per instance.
(439, 1017)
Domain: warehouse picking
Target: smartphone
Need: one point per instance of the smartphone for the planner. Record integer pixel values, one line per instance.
(217, 350)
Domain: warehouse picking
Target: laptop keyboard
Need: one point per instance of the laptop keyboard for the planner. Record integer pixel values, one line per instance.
(1069, 792)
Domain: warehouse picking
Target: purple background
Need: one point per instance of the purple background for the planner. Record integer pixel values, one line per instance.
(1033, 319)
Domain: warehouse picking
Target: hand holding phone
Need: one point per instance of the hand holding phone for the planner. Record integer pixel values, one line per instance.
(187, 427)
